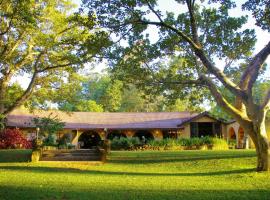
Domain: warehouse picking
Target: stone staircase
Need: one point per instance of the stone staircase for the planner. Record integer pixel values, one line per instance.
(71, 155)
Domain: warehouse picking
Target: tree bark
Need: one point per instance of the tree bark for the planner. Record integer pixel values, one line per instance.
(257, 132)
(262, 148)
(263, 154)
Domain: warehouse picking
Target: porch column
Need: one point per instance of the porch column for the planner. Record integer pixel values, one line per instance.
(76, 138)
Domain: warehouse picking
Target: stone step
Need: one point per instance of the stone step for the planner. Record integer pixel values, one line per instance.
(71, 155)
(71, 158)
(71, 151)
(74, 153)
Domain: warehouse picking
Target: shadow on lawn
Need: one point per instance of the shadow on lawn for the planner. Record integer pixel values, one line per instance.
(96, 172)
(163, 159)
(99, 192)
(15, 155)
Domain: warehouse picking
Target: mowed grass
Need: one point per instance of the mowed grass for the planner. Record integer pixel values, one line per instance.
(138, 175)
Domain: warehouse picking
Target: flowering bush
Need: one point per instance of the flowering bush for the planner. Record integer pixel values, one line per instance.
(13, 139)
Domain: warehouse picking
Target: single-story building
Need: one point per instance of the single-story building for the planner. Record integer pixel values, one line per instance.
(89, 128)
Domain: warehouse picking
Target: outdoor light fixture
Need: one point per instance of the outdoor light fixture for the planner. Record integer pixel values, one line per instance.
(37, 129)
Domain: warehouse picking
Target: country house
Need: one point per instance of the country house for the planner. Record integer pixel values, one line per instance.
(87, 129)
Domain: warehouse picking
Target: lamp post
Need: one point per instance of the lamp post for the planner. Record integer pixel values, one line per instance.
(37, 132)
(105, 133)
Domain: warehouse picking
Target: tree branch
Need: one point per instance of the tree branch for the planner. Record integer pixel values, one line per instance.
(194, 29)
(24, 96)
(222, 101)
(266, 102)
(180, 33)
(182, 82)
(220, 75)
(55, 67)
(155, 12)
(251, 73)
(206, 62)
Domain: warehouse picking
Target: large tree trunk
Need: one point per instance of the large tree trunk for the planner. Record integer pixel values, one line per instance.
(257, 132)
(263, 150)
(263, 155)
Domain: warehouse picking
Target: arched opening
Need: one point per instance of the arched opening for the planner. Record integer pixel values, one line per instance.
(115, 134)
(89, 140)
(232, 138)
(144, 135)
(232, 135)
(241, 134)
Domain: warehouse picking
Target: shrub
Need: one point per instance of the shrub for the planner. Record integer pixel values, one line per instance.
(170, 144)
(186, 142)
(125, 143)
(13, 139)
(219, 144)
(206, 140)
(50, 140)
(232, 144)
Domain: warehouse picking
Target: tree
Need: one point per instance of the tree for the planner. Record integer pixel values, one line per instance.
(199, 35)
(89, 106)
(261, 12)
(44, 40)
(49, 126)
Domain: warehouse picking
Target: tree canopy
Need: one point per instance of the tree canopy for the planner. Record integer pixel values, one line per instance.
(45, 41)
(200, 34)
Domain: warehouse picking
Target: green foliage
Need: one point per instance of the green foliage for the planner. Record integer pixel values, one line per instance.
(45, 41)
(50, 140)
(219, 144)
(65, 142)
(144, 62)
(88, 106)
(259, 92)
(261, 12)
(232, 144)
(98, 93)
(170, 144)
(123, 143)
(111, 99)
(49, 126)
(2, 122)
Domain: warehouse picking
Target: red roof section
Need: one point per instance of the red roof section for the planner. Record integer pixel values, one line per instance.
(93, 120)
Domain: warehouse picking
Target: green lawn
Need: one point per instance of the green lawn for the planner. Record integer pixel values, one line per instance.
(137, 175)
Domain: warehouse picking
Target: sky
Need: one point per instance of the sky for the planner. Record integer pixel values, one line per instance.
(170, 5)
(263, 37)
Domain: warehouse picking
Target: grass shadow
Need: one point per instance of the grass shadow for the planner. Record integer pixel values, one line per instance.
(15, 155)
(100, 172)
(104, 193)
(162, 159)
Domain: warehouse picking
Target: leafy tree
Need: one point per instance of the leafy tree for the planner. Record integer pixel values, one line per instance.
(49, 126)
(112, 98)
(261, 12)
(89, 105)
(44, 40)
(198, 35)
(133, 100)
